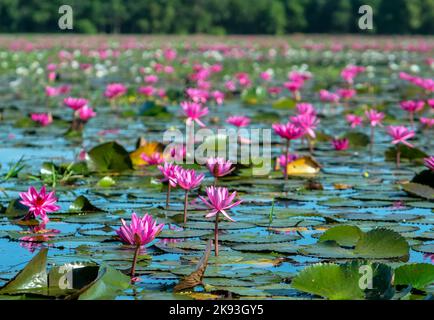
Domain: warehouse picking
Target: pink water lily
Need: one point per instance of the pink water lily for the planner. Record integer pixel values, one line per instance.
(44, 119)
(218, 96)
(375, 118)
(39, 203)
(412, 107)
(147, 91)
(194, 111)
(140, 231)
(86, 113)
(350, 72)
(305, 108)
(219, 167)
(340, 144)
(188, 180)
(153, 159)
(169, 176)
(400, 134)
(115, 90)
(238, 121)
(288, 132)
(346, 94)
(75, 103)
(308, 122)
(219, 201)
(354, 120)
(427, 122)
(429, 162)
(327, 96)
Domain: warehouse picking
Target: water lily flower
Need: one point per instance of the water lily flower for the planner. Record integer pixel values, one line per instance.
(219, 200)
(308, 122)
(44, 119)
(238, 121)
(219, 167)
(274, 90)
(412, 107)
(218, 96)
(51, 91)
(427, 122)
(354, 120)
(147, 91)
(75, 103)
(346, 94)
(400, 134)
(375, 118)
(197, 95)
(288, 132)
(341, 144)
(86, 113)
(266, 76)
(350, 72)
(139, 232)
(429, 162)
(169, 175)
(327, 96)
(294, 87)
(305, 108)
(39, 203)
(154, 159)
(151, 79)
(230, 85)
(431, 103)
(188, 180)
(194, 111)
(115, 90)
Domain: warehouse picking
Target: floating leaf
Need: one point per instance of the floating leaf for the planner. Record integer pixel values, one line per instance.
(426, 177)
(33, 276)
(346, 236)
(82, 204)
(106, 182)
(376, 244)
(411, 154)
(332, 281)
(107, 285)
(109, 156)
(418, 275)
(303, 165)
(357, 139)
(284, 103)
(419, 190)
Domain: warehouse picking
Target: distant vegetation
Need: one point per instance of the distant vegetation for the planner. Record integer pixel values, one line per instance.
(218, 16)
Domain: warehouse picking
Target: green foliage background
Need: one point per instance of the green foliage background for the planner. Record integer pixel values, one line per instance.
(218, 16)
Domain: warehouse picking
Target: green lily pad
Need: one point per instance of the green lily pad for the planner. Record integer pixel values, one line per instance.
(250, 237)
(419, 190)
(109, 156)
(346, 236)
(331, 281)
(376, 244)
(83, 205)
(418, 275)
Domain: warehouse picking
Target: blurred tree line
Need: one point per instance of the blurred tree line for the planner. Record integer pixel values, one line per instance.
(218, 16)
